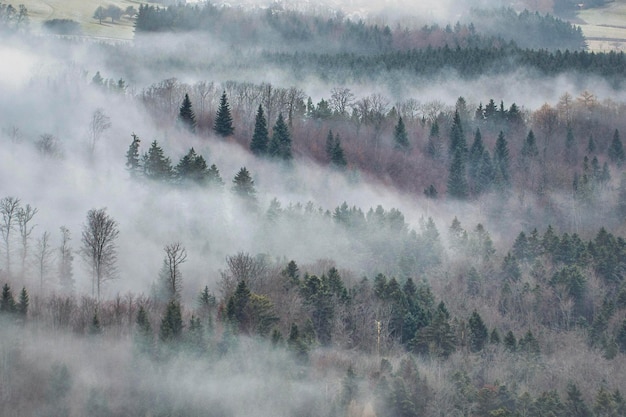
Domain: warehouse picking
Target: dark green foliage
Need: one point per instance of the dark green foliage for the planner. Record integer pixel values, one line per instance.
(616, 150)
(24, 301)
(223, 125)
(478, 332)
(434, 146)
(260, 137)
(501, 164)
(62, 26)
(620, 339)
(548, 404)
(318, 295)
(334, 151)
(457, 178)
(280, 144)
(575, 405)
(237, 311)
(172, 323)
(400, 136)
(605, 404)
(7, 303)
(243, 187)
(530, 150)
(480, 169)
(571, 151)
(186, 117)
(438, 337)
(529, 344)
(297, 345)
(192, 168)
(349, 387)
(591, 145)
(510, 342)
(458, 144)
(494, 337)
(133, 164)
(95, 328)
(431, 192)
(213, 177)
(156, 166)
(510, 268)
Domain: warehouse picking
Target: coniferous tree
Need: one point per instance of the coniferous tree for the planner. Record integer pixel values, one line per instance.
(591, 145)
(156, 166)
(457, 179)
(501, 163)
(571, 154)
(243, 187)
(433, 148)
(7, 302)
(280, 144)
(186, 116)
(172, 323)
(400, 136)
(335, 151)
(575, 405)
(616, 150)
(478, 332)
(192, 168)
(223, 121)
(260, 138)
(510, 343)
(95, 328)
(133, 164)
(24, 302)
(457, 138)
(213, 177)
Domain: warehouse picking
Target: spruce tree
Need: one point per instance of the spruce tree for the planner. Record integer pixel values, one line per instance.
(156, 166)
(575, 405)
(213, 177)
(400, 136)
(133, 164)
(334, 151)
(24, 301)
(7, 302)
(280, 144)
(260, 138)
(478, 332)
(223, 121)
(457, 138)
(186, 116)
(433, 148)
(501, 163)
(616, 150)
(457, 179)
(172, 323)
(243, 187)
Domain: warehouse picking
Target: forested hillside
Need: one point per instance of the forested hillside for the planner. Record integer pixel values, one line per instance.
(270, 212)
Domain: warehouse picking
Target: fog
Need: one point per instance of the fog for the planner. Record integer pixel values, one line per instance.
(52, 158)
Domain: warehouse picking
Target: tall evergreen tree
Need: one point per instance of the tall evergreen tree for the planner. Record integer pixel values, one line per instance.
(478, 332)
(571, 151)
(616, 150)
(213, 177)
(575, 405)
(223, 125)
(280, 144)
(501, 163)
(172, 323)
(457, 178)
(133, 164)
(243, 187)
(334, 151)
(186, 116)
(7, 302)
(24, 302)
(156, 166)
(433, 148)
(260, 138)
(457, 138)
(400, 136)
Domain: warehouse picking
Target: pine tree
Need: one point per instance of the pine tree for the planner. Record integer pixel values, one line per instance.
(186, 116)
(400, 136)
(457, 138)
(575, 405)
(616, 150)
(7, 302)
(156, 166)
(172, 323)
(24, 301)
(280, 144)
(260, 138)
(501, 163)
(478, 332)
(133, 164)
(335, 151)
(243, 187)
(457, 179)
(213, 177)
(192, 167)
(223, 121)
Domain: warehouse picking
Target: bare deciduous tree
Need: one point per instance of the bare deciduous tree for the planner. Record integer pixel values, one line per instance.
(175, 255)
(99, 250)
(66, 257)
(98, 124)
(340, 100)
(9, 207)
(43, 258)
(24, 217)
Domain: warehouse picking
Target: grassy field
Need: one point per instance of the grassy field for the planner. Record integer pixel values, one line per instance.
(82, 11)
(605, 27)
